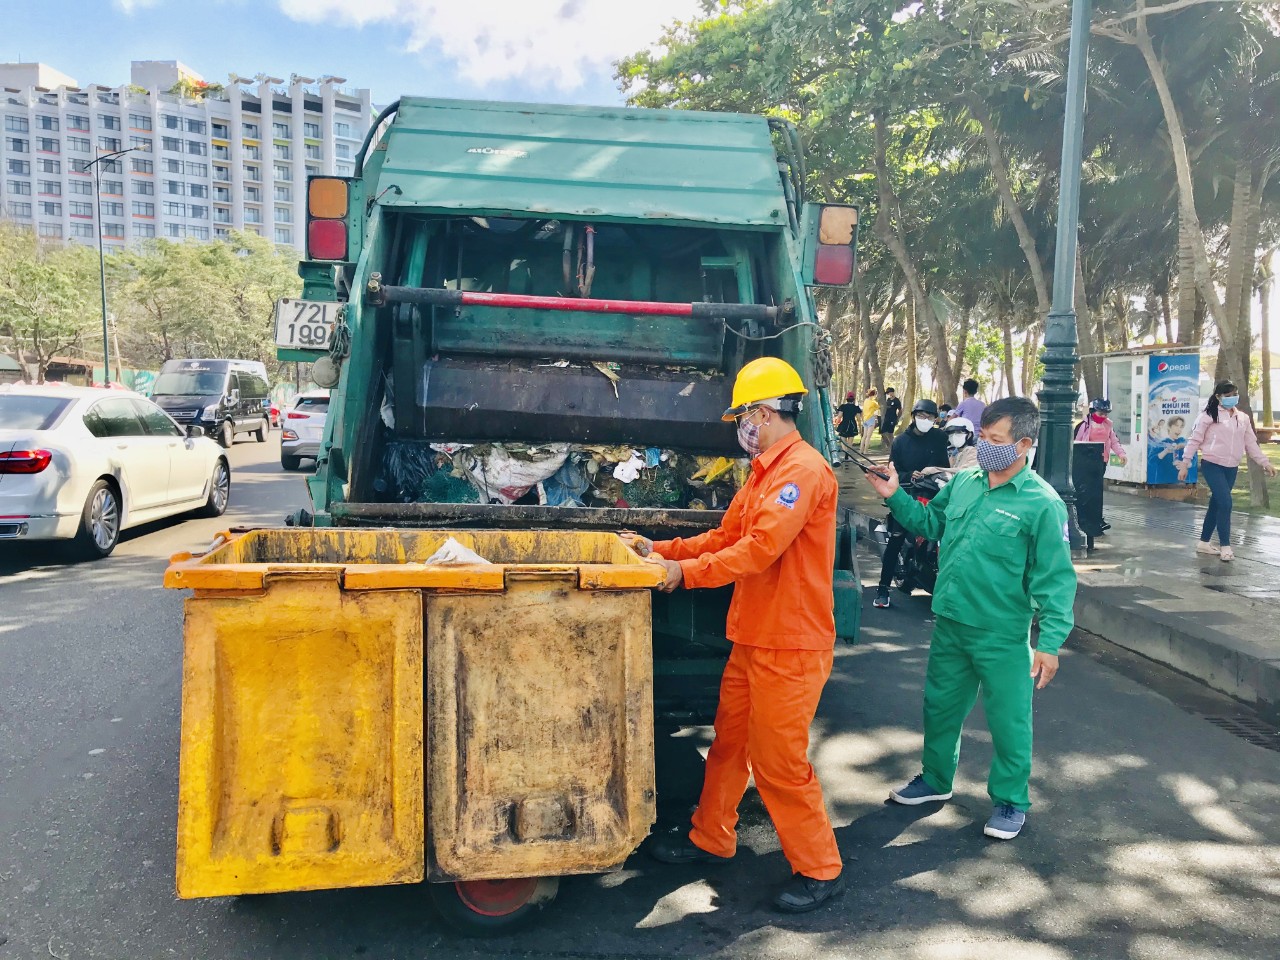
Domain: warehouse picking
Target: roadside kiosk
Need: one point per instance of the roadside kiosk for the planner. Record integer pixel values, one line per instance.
(1155, 396)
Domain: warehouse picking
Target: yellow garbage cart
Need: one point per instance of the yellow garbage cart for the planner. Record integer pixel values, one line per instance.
(354, 716)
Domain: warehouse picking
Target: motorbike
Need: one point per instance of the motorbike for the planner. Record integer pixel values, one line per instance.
(918, 559)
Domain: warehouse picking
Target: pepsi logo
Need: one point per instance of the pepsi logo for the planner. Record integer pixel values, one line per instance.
(1162, 367)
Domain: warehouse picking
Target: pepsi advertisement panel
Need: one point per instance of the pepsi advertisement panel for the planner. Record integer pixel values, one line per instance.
(1173, 397)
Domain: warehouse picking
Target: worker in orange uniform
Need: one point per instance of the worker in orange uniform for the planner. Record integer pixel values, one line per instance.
(777, 545)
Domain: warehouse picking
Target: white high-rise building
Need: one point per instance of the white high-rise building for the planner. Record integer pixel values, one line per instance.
(206, 159)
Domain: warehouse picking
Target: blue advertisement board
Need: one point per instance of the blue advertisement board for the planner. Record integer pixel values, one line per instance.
(1173, 400)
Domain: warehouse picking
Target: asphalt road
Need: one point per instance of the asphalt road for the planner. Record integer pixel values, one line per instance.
(1155, 834)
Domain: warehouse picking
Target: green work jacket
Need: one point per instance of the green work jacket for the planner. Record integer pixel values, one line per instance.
(1004, 556)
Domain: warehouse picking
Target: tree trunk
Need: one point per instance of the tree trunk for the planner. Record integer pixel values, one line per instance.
(1166, 315)
(1030, 360)
(1000, 173)
(1232, 357)
(962, 336)
(1090, 359)
(890, 233)
(1006, 329)
(1264, 309)
(870, 336)
(1187, 293)
(913, 354)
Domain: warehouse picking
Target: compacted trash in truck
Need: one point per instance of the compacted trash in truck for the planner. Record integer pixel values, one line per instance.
(530, 318)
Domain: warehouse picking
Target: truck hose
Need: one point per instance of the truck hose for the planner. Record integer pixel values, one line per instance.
(387, 111)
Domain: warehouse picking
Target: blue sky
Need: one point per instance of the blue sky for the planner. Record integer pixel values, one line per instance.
(542, 50)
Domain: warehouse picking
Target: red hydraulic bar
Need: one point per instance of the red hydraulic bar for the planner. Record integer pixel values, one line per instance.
(434, 296)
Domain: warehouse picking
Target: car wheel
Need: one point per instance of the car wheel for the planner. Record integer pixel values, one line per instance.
(290, 463)
(226, 435)
(99, 523)
(488, 907)
(261, 433)
(219, 490)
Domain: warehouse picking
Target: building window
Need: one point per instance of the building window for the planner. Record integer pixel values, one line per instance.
(197, 190)
(82, 230)
(284, 235)
(112, 166)
(196, 169)
(77, 122)
(284, 215)
(48, 145)
(219, 130)
(197, 148)
(313, 170)
(144, 188)
(21, 168)
(251, 152)
(113, 188)
(79, 209)
(144, 231)
(283, 193)
(16, 124)
(221, 173)
(50, 230)
(198, 212)
(17, 209)
(175, 210)
(79, 144)
(198, 233)
(113, 230)
(341, 129)
(109, 144)
(282, 173)
(141, 143)
(50, 209)
(281, 131)
(17, 145)
(46, 123)
(139, 121)
(311, 130)
(281, 151)
(221, 216)
(83, 188)
(112, 209)
(171, 122)
(253, 194)
(171, 166)
(108, 122)
(20, 189)
(196, 126)
(250, 216)
(172, 144)
(141, 209)
(142, 166)
(342, 150)
(253, 173)
(313, 152)
(222, 194)
(175, 230)
(221, 232)
(51, 166)
(221, 153)
(249, 130)
(48, 188)
(175, 188)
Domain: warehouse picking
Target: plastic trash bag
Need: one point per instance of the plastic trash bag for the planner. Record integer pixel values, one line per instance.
(452, 554)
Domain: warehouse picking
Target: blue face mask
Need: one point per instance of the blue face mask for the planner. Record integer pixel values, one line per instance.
(1229, 402)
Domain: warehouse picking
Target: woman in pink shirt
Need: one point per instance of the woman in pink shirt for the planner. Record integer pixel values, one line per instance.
(1098, 428)
(1222, 435)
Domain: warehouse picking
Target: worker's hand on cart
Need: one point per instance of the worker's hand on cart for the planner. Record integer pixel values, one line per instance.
(885, 486)
(641, 545)
(674, 577)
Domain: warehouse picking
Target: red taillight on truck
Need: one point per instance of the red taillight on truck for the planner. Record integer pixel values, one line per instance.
(25, 461)
(328, 204)
(831, 234)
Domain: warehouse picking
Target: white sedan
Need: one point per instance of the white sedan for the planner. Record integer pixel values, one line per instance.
(84, 464)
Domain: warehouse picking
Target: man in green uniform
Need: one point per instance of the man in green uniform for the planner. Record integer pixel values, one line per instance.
(1004, 558)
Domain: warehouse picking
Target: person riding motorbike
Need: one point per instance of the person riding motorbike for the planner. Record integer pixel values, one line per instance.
(919, 447)
(962, 448)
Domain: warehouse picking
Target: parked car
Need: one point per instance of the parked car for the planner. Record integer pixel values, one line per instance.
(303, 428)
(225, 397)
(84, 464)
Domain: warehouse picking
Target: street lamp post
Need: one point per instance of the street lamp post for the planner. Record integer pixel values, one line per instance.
(1059, 391)
(102, 262)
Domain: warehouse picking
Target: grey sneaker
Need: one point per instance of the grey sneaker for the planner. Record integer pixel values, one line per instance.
(917, 792)
(1006, 822)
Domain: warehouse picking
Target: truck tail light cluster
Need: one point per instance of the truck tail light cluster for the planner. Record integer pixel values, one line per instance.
(25, 461)
(833, 260)
(328, 203)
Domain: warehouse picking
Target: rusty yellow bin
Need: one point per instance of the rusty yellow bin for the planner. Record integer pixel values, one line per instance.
(352, 716)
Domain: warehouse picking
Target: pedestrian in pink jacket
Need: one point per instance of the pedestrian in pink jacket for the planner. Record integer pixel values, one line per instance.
(1222, 435)
(1098, 428)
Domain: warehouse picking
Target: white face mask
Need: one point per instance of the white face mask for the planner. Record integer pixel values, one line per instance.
(924, 424)
(956, 439)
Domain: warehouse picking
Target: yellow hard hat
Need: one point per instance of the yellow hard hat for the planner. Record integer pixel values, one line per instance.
(766, 378)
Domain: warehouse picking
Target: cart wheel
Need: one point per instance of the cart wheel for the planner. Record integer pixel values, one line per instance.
(477, 907)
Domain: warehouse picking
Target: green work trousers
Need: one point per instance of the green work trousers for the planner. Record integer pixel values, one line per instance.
(962, 660)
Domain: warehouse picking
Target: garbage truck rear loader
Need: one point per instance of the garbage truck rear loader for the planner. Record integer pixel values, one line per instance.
(531, 318)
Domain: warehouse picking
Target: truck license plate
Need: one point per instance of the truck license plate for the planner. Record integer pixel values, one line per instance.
(305, 324)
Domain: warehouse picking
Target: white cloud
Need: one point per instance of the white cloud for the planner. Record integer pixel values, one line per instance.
(132, 6)
(546, 43)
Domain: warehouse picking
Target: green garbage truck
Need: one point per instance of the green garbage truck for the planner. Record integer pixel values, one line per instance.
(530, 318)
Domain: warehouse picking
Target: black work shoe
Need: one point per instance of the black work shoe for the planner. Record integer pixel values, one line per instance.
(802, 894)
(676, 847)
(882, 598)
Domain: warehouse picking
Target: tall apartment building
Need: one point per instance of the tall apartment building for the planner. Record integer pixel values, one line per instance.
(205, 160)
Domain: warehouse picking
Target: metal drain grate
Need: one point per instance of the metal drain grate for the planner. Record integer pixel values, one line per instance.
(1250, 730)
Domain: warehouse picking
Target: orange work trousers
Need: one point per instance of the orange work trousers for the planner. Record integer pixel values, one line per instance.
(767, 701)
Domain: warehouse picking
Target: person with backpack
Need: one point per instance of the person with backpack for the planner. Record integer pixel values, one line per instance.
(1098, 428)
(1222, 436)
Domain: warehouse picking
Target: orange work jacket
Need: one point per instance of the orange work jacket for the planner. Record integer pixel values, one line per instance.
(777, 545)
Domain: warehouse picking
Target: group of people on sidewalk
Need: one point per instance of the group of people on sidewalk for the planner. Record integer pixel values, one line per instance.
(1001, 526)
